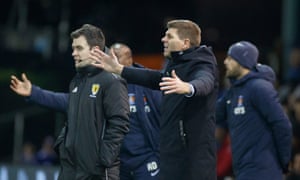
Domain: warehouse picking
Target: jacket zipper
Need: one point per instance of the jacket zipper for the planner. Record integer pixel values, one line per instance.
(80, 91)
(182, 133)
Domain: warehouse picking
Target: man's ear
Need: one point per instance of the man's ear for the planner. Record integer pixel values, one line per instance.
(186, 44)
(95, 47)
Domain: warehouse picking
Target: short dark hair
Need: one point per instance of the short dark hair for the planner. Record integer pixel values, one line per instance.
(186, 29)
(94, 35)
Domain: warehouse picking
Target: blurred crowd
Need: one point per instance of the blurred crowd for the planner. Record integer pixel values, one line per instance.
(45, 155)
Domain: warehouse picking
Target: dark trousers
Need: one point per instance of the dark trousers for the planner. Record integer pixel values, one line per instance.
(148, 170)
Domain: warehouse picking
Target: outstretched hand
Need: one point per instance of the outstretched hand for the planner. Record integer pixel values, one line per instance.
(21, 87)
(108, 62)
(174, 84)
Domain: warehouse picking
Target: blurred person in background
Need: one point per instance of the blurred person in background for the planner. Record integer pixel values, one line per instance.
(224, 158)
(98, 112)
(190, 87)
(46, 154)
(293, 71)
(294, 115)
(260, 131)
(140, 148)
(28, 156)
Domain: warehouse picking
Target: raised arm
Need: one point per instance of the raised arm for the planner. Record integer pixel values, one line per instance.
(108, 62)
(32, 93)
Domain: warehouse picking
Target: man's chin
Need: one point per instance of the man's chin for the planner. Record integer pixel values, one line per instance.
(167, 54)
(81, 66)
(230, 76)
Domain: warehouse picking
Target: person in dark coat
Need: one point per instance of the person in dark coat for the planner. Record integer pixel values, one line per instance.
(140, 148)
(98, 113)
(139, 154)
(190, 87)
(260, 131)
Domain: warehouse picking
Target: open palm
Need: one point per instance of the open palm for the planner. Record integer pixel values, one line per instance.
(21, 87)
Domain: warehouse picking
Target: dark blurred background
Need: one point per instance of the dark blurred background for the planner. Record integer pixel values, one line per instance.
(34, 38)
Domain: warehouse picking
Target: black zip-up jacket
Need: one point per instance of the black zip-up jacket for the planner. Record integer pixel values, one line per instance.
(187, 140)
(98, 118)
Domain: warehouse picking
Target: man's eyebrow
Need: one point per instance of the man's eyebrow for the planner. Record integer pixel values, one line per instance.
(75, 46)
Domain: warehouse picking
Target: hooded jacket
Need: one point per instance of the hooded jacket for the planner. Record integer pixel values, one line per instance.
(187, 141)
(259, 129)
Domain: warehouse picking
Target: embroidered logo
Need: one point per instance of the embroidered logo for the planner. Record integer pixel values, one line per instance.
(132, 104)
(240, 109)
(75, 90)
(154, 173)
(152, 167)
(95, 88)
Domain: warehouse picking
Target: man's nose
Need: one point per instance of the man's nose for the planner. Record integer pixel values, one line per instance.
(74, 53)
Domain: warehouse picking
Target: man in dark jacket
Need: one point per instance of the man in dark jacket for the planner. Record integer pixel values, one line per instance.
(190, 85)
(98, 113)
(140, 148)
(259, 129)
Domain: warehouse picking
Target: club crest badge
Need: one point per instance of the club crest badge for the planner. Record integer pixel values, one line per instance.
(95, 89)
(240, 109)
(132, 104)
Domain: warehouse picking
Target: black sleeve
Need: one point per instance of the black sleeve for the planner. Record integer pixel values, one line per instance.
(116, 109)
(144, 77)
